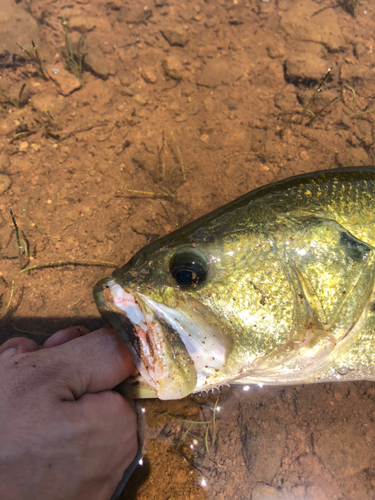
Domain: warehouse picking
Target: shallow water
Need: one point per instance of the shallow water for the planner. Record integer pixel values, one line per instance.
(183, 107)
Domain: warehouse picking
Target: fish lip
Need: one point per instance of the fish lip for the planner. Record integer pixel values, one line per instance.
(108, 300)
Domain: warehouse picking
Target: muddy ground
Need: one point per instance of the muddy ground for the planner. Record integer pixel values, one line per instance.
(142, 116)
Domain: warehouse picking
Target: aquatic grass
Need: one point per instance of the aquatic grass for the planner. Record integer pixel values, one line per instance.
(19, 239)
(363, 113)
(161, 156)
(73, 60)
(32, 221)
(6, 309)
(182, 166)
(317, 90)
(18, 102)
(33, 58)
(206, 423)
(345, 86)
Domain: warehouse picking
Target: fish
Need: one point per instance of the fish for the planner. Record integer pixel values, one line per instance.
(274, 288)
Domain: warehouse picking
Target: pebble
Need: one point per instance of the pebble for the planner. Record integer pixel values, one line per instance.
(4, 161)
(265, 492)
(305, 67)
(23, 146)
(148, 75)
(176, 36)
(84, 23)
(95, 61)
(5, 183)
(173, 68)
(35, 147)
(275, 51)
(17, 26)
(65, 82)
(139, 99)
(219, 71)
(181, 118)
(204, 137)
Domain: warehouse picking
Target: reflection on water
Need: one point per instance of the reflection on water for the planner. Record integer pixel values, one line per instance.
(272, 443)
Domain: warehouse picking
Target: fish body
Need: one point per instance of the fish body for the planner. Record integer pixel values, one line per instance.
(274, 288)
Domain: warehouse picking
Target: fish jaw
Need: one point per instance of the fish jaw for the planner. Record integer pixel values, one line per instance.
(176, 350)
(165, 367)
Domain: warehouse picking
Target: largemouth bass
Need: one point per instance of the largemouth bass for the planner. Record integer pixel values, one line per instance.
(275, 288)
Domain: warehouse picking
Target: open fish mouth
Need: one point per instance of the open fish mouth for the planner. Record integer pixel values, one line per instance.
(175, 349)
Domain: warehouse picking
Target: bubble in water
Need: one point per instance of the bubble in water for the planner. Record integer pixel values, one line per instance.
(342, 370)
(200, 397)
(224, 389)
(213, 394)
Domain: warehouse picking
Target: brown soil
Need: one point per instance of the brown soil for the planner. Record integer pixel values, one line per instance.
(196, 102)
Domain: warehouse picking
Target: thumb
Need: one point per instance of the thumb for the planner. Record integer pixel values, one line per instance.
(95, 362)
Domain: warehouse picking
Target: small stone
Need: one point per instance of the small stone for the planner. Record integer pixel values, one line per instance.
(219, 71)
(173, 68)
(301, 21)
(23, 147)
(125, 80)
(305, 67)
(148, 75)
(275, 51)
(181, 118)
(96, 63)
(49, 202)
(175, 36)
(35, 147)
(5, 183)
(304, 156)
(136, 14)
(356, 73)
(265, 492)
(66, 82)
(314, 492)
(17, 26)
(4, 161)
(204, 137)
(139, 99)
(210, 22)
(83, 23)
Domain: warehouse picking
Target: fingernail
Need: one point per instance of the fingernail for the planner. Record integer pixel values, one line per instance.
(8, 352)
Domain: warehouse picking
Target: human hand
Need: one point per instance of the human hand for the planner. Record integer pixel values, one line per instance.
(63, 433)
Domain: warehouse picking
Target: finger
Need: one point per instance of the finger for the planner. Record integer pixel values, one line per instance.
(117, 421)
(66, 335)
(95, 362)
(17, 345)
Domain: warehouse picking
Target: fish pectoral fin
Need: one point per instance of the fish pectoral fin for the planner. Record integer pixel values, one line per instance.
(294, 365)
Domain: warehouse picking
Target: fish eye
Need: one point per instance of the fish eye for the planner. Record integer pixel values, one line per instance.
(189, 267)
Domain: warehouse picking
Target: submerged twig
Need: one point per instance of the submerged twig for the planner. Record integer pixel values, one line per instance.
(149, 194)
(58, 263)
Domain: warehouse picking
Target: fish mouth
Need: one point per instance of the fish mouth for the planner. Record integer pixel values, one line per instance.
(175, 349)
